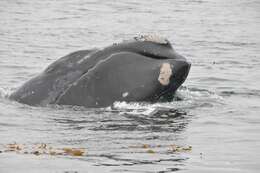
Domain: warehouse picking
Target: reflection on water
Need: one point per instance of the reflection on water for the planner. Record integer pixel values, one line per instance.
(123, 135)
(216, 111)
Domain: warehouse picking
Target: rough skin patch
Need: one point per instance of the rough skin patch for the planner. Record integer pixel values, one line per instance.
(165, 74)
(125, 94)
(152, 38)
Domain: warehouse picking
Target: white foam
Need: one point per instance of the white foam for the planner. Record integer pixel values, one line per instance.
(189, 99)
(5, 92)
(134, 107)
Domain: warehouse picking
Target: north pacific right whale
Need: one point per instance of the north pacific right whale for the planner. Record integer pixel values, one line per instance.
(145, 68)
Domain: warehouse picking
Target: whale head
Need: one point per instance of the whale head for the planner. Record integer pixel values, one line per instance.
(145, 68)
(174, 68)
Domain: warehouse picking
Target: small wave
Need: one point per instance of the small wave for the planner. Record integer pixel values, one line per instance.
(5, 92)
(215, 79)
(236, 43)
(184, 99)
(198, 93)
(224, 43)
(231, 62)
(242, 93)
(15, 66)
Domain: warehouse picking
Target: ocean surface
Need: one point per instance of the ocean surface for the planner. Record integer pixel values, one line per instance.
(216, 113)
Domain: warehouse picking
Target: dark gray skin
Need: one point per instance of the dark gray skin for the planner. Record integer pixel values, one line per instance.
(128, 71)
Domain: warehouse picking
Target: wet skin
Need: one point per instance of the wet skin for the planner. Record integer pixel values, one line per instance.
(136, 70)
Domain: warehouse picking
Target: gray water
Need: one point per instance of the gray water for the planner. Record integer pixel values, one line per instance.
(217, 112)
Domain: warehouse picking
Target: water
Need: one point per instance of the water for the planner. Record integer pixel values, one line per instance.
(217, 112)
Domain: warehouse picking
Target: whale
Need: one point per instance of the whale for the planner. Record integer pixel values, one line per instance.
(143, 69)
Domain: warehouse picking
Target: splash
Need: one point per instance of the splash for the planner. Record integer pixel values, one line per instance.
(5, 92)
(184, 99)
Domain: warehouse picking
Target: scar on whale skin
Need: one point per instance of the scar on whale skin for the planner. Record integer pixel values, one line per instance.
(165, 74)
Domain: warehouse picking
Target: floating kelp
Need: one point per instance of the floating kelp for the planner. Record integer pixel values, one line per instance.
(176, 148)
(45, 149)
(150, 151)
(40, 149)
(74, 151)
(171, 148)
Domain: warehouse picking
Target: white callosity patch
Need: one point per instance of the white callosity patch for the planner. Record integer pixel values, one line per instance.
(165, 74)
(153, 38)
(125, 94)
